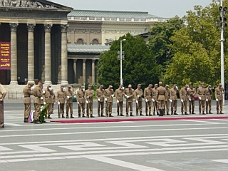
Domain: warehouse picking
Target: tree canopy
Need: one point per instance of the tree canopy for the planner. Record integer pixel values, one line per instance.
(139, 64)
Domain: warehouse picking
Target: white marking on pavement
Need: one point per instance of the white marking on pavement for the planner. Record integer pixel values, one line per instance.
(4, 149)
(110, 131)
(222, 161)
(37, 148)
(128, 165)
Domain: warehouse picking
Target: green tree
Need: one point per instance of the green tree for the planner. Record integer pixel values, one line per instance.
(159, 39)
(199, 39)
(139, 65)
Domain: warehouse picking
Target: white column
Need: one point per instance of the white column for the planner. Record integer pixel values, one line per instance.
(75, 70)
(47, 68)
(93, 71)
(13, 41)
(64, 59)
(84, 71)
(30, 52)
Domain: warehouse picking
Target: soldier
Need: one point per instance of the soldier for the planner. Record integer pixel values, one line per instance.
(69, 102)
(148, 98)
(109, 94)
(100, 99)
(53, 101)
(183, 97)
(2, 96)
(219, 91)
(89, 93)
(48, 100)
(129, 94)
(81, 101)
(138, 99)
(201, 91)
(191, 92)
(167, 99)
(61, 98)
(119, 99)
(161, 99)
(173, 99)
(38, 96)
(155, 99)
(208, 99)
(27, 91)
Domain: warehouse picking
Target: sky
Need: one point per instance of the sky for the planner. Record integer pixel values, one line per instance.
(160, 8)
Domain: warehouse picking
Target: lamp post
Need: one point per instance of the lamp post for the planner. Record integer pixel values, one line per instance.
(222, 25)
(121, 61)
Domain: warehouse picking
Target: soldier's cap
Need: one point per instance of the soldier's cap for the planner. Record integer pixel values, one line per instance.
(202, 83)
(30, 83)
(49, 85)
(101, 86)
(89, 85)
(62, 86)
(155, 84)
(139, 85)
(150, 85)
(209, 85)
(41, 82)
(129, 85)
(167, 85)
(69, 86)
(82, 86)
(160, 82)
(220, 84)
(110, 86)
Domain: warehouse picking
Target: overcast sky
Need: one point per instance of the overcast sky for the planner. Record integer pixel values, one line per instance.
(161, 8)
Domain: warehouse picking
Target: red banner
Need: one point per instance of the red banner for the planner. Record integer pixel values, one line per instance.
(5, 61)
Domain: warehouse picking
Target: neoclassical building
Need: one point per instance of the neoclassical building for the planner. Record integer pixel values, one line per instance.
(37, 32)
(59, 45)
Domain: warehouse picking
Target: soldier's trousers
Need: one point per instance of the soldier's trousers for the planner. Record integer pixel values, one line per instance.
(208, 106)
(62, 108)
(148, 106)
(81, 109)
(129, 105)
(108, 108)
(119, 108)
(191, 106)
(155, 107)
(183, 106)
(1, 114)
(100, 108)
(49, 109)
(219, 104)
(27, 110)
(139, 107)
(161, 104)
(167, 106)
(37, 111)
(201, 106)
(52, 107)
(69, 107)
(89, 109)
(173, 106)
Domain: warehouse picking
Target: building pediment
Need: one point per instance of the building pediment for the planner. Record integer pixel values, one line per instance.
(32, 4)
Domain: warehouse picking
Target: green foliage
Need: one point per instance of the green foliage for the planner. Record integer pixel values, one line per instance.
(196, 48)
(139, 65)
(43, 113)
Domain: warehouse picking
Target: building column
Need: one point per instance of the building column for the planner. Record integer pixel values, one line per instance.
(13, 41)
(47, 54)
(84, 71)
(30, 52)
(64, 59)
(93, 71)
(75, 70)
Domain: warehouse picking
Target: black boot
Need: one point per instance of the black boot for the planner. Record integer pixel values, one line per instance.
(63, 116)
(25, 120)
(37, 122)
(71, 116)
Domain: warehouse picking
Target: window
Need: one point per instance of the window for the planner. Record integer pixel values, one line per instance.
(80, 41)
(95, 42)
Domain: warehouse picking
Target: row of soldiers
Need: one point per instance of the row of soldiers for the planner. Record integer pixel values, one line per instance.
(158, 100)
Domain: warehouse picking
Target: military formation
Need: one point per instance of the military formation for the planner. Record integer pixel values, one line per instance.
(159, 100)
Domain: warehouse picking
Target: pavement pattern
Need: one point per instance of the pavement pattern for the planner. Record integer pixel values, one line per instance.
(153, 145)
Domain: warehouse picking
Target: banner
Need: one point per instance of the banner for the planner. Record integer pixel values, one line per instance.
(5, 61)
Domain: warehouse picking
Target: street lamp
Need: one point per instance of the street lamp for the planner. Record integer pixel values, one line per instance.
(121, 61)
(222, 25)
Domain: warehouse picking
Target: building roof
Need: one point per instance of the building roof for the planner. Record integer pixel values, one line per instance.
(97, 49)
(118, 14)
